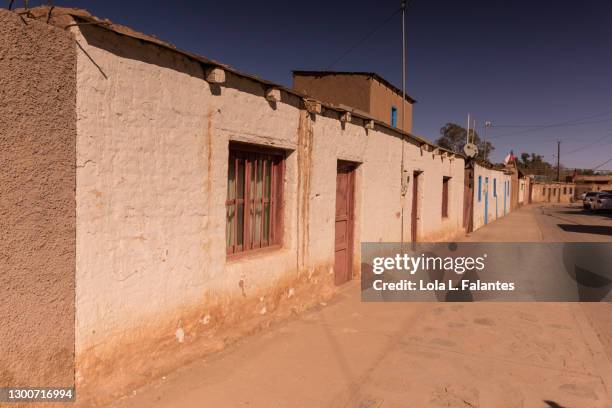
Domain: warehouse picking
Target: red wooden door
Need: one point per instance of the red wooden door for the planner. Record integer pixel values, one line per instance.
(345, 187)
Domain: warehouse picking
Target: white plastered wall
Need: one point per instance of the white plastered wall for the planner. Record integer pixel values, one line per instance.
(152, 148)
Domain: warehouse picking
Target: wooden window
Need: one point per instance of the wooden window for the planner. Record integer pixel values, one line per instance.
(393, 116)
(445, 183)
(254, 198)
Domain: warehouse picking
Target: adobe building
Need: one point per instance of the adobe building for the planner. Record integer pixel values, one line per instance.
(365, 91)
(492, 194)
(585, 184)
(525, 189)
(553, 192)
(520, 186)
(166, 205)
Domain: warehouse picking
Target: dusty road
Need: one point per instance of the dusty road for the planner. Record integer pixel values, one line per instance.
(353, 354)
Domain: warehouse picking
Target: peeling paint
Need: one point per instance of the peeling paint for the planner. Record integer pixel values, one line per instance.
(180, 335)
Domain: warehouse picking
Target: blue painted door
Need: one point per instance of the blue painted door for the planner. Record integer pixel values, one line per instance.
(495, 196)
(505, 195)
(486, 194)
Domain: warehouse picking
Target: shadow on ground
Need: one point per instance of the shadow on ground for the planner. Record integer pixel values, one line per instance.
(587, 229)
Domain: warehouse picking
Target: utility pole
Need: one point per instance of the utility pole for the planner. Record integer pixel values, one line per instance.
(403, 180)
(467, 133)
(487, 125)
(403, 6)
(558, 160)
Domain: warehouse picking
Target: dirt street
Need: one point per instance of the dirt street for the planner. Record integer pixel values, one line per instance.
(352, 354)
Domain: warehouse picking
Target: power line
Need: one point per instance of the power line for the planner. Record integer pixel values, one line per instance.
(602, 164)
(363, 39)
(588, 145)
(536, 127)
(561, 123)
(527, 131)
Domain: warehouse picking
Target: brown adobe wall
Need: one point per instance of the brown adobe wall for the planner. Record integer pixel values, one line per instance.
(37, 203)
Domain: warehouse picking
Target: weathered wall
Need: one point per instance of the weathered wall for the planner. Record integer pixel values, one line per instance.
(494, 200)
(153, 142)
(553, 192)
(382, 99)
(350, 90)
(37, 203)
(514, 189)
(523, 186)
(584, 184)
(152, 150)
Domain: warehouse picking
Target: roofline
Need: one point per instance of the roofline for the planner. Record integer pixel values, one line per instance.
(368, 74)
(49, 14)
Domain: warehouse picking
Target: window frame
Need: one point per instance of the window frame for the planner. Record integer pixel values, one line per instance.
(394, 116)
(252, 155)
(445, 195)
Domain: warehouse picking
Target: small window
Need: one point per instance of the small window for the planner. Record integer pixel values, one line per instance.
(564, 190)
(494, 187)
(393, 116)
(543, 190)
(254, 198)
(445, 182)
(479, 188)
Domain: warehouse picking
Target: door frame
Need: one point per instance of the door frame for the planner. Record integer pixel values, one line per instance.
(486, 204)
(414, 213)
(351, 168)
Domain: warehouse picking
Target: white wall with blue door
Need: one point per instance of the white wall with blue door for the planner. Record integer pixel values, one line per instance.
(491, 195)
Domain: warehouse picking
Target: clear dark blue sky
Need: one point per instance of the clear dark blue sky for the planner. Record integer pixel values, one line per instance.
(518, 62)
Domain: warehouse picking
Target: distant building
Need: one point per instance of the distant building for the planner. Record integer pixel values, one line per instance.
(553, 192)
(365, 91)
(584, 184)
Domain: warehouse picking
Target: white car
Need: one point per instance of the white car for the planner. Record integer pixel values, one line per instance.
(602, 202)
(591, 196)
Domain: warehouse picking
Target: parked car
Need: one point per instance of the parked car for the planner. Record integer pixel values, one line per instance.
(603, 202)
(587, 203)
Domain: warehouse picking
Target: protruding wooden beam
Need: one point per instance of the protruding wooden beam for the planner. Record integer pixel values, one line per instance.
(346, 117)
(369, 124)
(273, 94)
(313, 106)
(215, 75)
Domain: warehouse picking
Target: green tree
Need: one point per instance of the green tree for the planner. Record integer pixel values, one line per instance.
(453, 138)
(534, 164)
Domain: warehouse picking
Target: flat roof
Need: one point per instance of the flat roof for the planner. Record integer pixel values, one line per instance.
(373, 75)
(599, 177)
(64, 17)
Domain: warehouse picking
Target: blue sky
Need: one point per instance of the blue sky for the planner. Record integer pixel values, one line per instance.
(519, 64)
